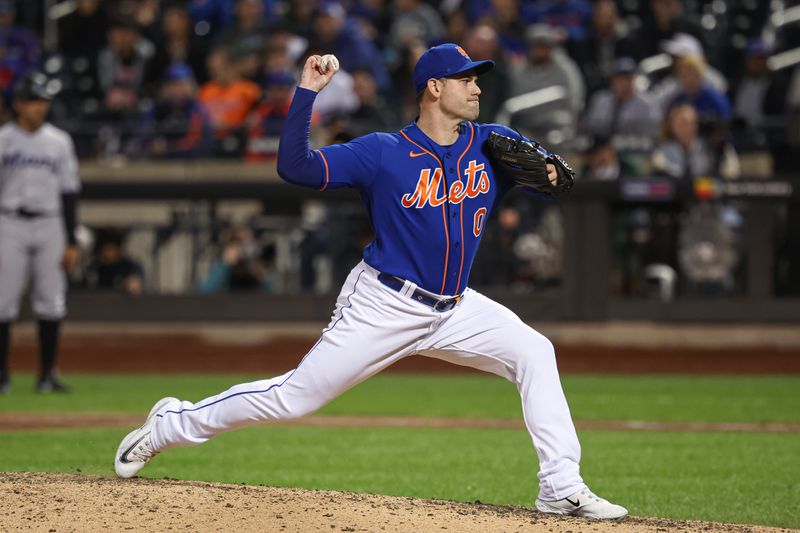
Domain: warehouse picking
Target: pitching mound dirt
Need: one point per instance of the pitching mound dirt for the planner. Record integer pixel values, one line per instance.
(63, 502)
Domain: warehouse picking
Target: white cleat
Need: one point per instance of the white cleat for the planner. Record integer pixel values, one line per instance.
(135, 449)
(583, 503)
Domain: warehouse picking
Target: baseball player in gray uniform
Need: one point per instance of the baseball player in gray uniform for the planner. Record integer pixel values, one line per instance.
(39, 188)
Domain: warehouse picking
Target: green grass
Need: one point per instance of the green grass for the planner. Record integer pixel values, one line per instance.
(743, 478)
(709, 399)
(733, 477)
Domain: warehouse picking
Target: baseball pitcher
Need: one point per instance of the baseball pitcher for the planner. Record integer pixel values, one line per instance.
(429, 190)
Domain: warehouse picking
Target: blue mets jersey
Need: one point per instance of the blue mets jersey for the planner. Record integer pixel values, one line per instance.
(428, 203)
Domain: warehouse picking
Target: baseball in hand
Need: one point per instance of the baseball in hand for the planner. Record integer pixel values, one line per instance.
(329, 61)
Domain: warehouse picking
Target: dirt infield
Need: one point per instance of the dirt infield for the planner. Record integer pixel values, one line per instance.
(66, 502)
(167, 352)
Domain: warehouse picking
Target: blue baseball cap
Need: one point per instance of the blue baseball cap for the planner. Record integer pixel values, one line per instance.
(624, 65)
(179, 71)
(443, 61)
(758, 47)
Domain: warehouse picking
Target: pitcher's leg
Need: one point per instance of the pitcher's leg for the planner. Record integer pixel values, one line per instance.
(325, 373)
(485, 335)
(362, 339)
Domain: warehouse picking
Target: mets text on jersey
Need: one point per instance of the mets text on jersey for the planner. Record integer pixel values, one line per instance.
(427, 189)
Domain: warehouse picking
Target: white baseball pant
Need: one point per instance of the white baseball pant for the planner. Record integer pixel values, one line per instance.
(32, 247)
(374, 326)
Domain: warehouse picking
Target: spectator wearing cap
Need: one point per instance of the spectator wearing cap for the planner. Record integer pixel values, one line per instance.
(596, 53)
(177, 126)
(332, 32)
(414, 20)
(180, 44)
(571, 16)
(759, 97)
(266, 121)
(19, 49)
(482, 42)
(554, 81)
(229, 98)
(681, 46)
(631, 118)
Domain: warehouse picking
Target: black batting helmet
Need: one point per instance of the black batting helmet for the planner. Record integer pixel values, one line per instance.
(33, 86)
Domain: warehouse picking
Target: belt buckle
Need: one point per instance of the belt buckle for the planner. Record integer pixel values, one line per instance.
(451, 302)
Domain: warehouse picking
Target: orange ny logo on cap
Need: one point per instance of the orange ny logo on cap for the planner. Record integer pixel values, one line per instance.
(463, 53)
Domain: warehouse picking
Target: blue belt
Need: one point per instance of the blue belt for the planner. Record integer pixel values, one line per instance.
(435, 303)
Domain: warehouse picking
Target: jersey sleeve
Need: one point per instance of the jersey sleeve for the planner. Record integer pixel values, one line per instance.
(353, 164)
(68, 169)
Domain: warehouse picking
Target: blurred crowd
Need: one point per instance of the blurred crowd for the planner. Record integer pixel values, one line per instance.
(630, 84)
(676, 88)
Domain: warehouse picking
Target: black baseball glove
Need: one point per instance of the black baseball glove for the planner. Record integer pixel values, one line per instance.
(526, 163)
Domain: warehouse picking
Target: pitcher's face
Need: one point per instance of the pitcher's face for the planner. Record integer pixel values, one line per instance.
(460, 96)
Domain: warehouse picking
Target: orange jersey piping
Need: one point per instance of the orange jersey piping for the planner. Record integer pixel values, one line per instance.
(327, 171)
(444, 210)
(458, 169)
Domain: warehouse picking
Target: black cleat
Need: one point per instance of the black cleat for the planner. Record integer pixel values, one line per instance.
(5, 386)
(51, 383)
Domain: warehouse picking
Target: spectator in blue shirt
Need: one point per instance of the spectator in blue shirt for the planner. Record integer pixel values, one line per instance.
(19, 48)
(572, 16)
(178, 126)
(212, 16)
(506, 18)
(713, 107)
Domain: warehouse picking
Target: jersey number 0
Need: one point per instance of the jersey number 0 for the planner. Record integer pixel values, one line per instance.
(480, 218)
